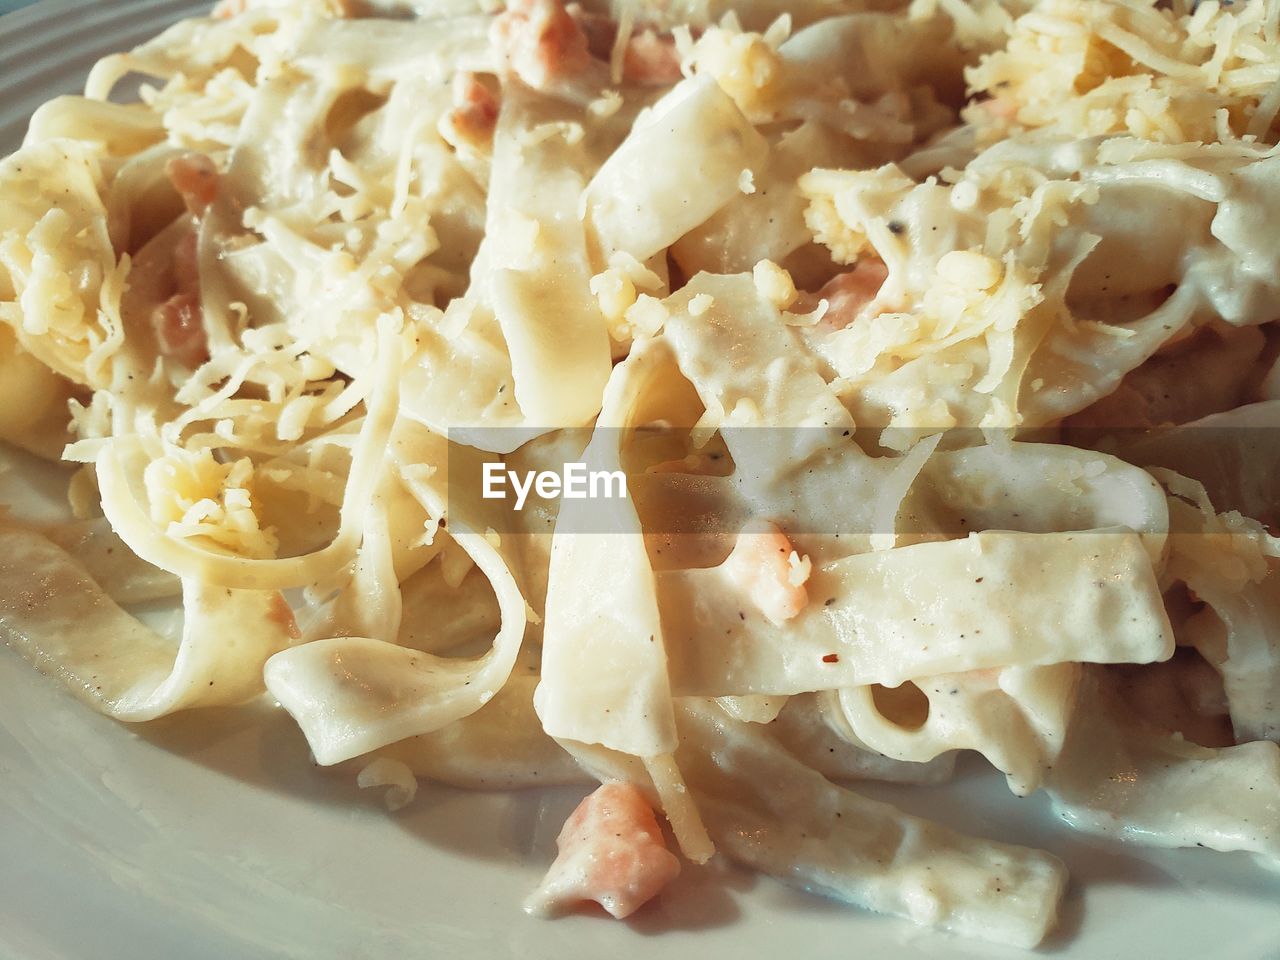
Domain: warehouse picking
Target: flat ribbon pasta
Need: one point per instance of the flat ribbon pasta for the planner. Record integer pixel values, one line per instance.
(681, 162)
(501, 746)
(808, 732)
(850, 300)
(768, 810)
(922, 610)
(64, 623)
(122, 575)
(604, 664)
(120, 465)
(604, 667)
(1229, 563)
(535, 351)
(1118, 776)
(352, 695)
(55, 228)
(1016, 717)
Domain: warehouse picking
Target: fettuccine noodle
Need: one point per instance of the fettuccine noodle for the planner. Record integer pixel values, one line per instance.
(905, 328)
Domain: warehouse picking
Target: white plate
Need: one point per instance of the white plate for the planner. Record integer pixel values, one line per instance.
(212, 835)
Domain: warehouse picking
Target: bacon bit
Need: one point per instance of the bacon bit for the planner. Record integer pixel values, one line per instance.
(540, 41)
(611, 851)
(475, 109)
(195, 177)
(179, 321)
(831, 658)
(760, 567)
(281, 614)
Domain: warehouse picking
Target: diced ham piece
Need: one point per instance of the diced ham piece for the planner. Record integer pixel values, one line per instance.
(475, 109)
(1002, 108)
(281, 614)
(847, 294)
(179, 322)
(540, 41)
(651, 59)
(600, 30)
(760, 566)
(227, 9)
(179, 327)
(186, 264)
(195, 178)
(611, 851)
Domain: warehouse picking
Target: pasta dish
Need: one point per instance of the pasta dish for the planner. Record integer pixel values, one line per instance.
(711, 403)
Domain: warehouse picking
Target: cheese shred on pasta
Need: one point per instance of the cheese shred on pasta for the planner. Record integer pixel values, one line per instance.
(933, 306)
